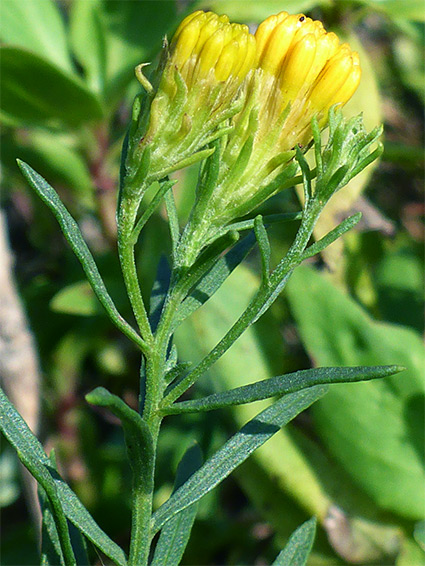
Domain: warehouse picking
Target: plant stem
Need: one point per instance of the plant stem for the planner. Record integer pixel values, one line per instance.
(127, 217)
(254, 309)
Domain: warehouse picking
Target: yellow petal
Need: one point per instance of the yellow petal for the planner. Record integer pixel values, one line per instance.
(198, 14)
(278, 45)
(350, 85)
(248, 57)
(331, 79)
(265, 30)
(226, 61)
(298, 66)
(211, 52)
(211, 25)
(186, 42)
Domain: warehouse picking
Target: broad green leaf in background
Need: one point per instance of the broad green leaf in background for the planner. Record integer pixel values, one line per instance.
(134, 32)
(34, 91)
(374, 429)
(9, 482)
(35, 25)
(399, 281)
(398, 9)
(78, 299)
(299, 546)
(247, 11)
(54, 155)
(87, 33)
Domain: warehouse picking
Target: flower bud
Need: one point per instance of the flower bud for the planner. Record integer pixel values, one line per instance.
(305, 69)
(301, 71)
(198, 88)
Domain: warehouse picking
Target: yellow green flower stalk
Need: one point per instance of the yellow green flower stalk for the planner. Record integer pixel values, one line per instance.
(247, 107)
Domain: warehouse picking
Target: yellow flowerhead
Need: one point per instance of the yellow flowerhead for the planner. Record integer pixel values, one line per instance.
(300, 72)
(305, 69)
(206, 44)
(196, 91)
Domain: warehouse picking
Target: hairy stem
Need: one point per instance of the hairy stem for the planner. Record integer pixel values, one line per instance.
(254, 309)
(128, 266)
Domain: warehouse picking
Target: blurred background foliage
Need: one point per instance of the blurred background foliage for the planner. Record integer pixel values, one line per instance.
(356, 459)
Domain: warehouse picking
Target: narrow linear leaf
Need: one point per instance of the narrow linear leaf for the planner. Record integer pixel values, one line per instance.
(34, 458)
(173, 219)
(51, 552)
(235, 451)
(299, 546)
(136, 431)
(176, 532)
(282, 385)
(213, 280)
(159, 291)
(264, 245)
(333, 235)
(81, 518)
(267, 219)
(75, 239)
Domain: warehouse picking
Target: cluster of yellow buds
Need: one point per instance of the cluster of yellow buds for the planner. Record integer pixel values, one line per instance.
(300, 72)
(197, 91)
(256, 93)
(205, 44)
(304, 69)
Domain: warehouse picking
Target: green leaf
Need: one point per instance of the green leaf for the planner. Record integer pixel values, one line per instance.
(281, 385)
(299, 546)
(137, 435)
(257, 11)
(51, 552)
(235, 451)
(55, 157)
(406, 10)
(213, 280)
(32, 455)
(376, 430)
(264, 246)
(398, 278)
(77, 298)
(87, 33)
(290, 466)
(34, 91)
(134, 32)
(36, 25)
(176, 532)
(79, 247)
(333, 235)
(419, 534)
(9, 480)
